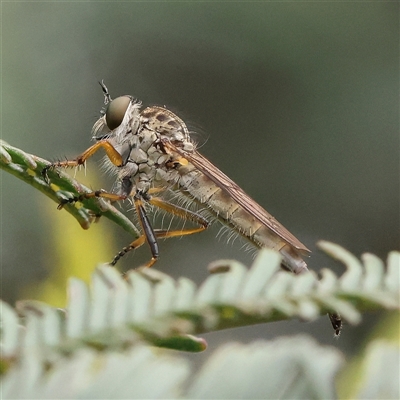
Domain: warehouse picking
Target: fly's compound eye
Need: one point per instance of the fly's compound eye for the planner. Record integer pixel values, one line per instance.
(116, 111)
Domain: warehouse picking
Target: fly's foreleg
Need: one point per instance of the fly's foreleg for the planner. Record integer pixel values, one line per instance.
(112, 154)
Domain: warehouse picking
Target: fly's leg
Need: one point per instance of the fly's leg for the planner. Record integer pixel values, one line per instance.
(98, 193)
(182, 213)
(150, 235)
(112, 154)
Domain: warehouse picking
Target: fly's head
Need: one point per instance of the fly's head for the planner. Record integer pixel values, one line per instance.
(119, 120)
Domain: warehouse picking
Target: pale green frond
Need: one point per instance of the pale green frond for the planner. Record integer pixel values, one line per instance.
(285, 368)
(381, 372)
(138, 373)
(149, 305)
(290, 368)
(28, 168)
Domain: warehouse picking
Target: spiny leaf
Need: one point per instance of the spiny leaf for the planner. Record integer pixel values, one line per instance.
(381, 380)
(151, 306)
(285, 368)
(294, 368)
(138, 373)
(29, 168)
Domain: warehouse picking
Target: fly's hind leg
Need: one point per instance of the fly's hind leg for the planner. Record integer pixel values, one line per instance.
(151, 235)
(181, 213)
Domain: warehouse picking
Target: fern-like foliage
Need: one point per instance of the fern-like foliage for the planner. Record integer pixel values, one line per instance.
(28, 168)
(291, 368)
(150, 305)
(95, 348)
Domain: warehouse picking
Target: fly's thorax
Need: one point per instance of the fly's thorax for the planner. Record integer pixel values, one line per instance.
(168, 126)
(148, 164)
(165, 123)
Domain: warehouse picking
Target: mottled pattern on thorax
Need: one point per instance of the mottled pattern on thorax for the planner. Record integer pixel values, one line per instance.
(148, 164)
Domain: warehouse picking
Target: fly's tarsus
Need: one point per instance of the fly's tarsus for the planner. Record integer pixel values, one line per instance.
(46, 169)
(120, 254)
(59, 164)
(44, 174)
(71, 200)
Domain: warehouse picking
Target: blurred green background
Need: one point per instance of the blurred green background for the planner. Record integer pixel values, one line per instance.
(296, 102)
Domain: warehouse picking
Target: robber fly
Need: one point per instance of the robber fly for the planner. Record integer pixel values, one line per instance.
(151, 152)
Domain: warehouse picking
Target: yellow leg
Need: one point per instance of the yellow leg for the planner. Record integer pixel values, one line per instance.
(134, 245)
(112, 154)
(182, 213)
(90, 195)
(150, 235)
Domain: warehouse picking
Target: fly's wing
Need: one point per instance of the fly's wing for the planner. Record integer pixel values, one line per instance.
(244, 200)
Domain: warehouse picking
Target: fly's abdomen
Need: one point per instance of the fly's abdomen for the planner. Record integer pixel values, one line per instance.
(196, 185)
(226, 209)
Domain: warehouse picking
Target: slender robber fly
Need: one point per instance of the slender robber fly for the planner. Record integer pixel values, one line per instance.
(151, 152)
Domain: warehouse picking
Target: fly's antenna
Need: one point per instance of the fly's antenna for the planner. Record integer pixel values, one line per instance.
(107, 97)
